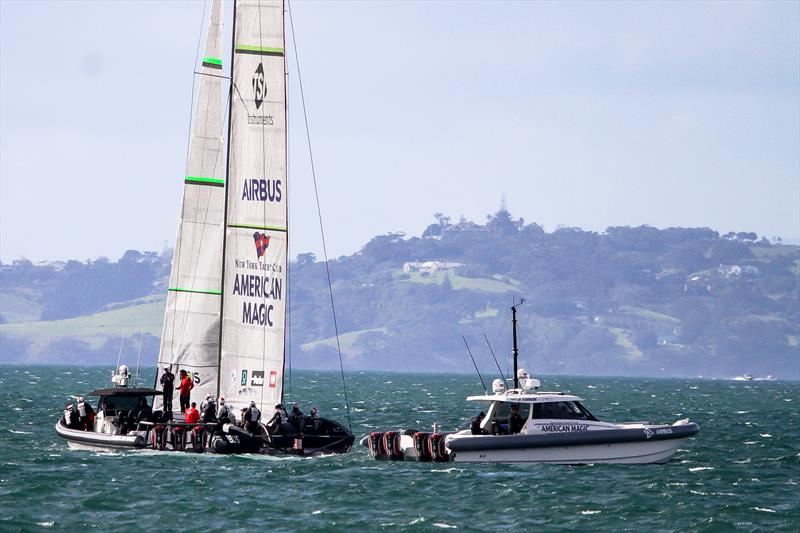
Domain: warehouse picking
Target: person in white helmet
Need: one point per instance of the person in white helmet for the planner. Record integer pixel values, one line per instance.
(251, 418)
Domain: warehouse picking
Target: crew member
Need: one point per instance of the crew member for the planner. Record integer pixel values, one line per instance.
(209, 414)
(224, 415)
(278, 418)
(515, 422)
(475, 427)
(85, 414)
(185, 386)
(192, 414)
(251, 418)
(203, 406)
(312, 422)
(71, 416)
(168, 386)
(145, 411)
(296, 417)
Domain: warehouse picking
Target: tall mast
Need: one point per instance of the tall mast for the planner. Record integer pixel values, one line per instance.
(286, 129)
(225, 208)
(516, 350)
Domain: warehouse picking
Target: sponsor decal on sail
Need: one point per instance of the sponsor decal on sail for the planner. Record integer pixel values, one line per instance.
(244, 377)
(262, 190)
(257, 378)
(259, 92)
(262, 243)
(273, 379)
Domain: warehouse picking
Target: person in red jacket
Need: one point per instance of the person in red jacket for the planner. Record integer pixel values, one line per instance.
(192, 414)
(185, 386)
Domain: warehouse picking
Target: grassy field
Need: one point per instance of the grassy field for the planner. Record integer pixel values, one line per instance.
(19, 307)
(97, 328)
(648, 314)
(458, 282)
(347, 341)
(624, 340)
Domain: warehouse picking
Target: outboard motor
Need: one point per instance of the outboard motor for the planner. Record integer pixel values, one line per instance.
(198, 439)
(391, 443)
(421, 446)
(376, 445)
(438, 449)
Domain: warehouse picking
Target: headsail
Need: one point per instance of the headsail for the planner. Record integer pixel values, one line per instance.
(190, 339)
(254, 300)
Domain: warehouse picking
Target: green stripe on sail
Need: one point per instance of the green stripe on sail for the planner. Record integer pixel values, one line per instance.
(199, 179)
(250, 226)
(212, 60)
(260, 50)
(198, 291)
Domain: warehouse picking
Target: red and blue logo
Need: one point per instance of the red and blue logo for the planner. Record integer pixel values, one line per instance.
(262, 243)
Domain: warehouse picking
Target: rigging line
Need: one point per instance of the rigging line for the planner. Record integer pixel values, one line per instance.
(319, 213)
(485, 390)
(495, 358)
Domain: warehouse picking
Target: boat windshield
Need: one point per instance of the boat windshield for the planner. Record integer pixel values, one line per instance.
(561, 411)
(112, 404)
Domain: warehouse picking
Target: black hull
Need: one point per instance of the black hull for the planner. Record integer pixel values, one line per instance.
(324, 437)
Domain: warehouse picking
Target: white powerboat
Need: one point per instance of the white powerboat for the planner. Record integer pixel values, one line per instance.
(525, 425)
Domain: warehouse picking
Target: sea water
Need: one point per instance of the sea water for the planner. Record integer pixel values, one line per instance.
(741, 472)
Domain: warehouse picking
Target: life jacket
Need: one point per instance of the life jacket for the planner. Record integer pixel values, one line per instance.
(223, 412)
(255, 414)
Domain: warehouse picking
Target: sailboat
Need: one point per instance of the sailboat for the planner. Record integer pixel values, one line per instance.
(225, 316)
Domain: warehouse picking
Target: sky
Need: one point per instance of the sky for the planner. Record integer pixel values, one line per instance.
(578, 114)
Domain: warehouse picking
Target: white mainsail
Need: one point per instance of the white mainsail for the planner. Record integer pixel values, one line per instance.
(255, 254)
(190, 338)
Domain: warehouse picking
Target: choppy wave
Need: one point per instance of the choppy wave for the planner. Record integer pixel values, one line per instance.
(732, 476)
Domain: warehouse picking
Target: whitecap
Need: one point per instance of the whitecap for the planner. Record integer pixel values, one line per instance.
(590, 387)
(765, 435)
(750, 442)
(46, 524)
(764, 509)
(742, 412)
(20, 432)
(444, 526)
(590, 511)
(701, 468)
(318, 511)
(417, 520)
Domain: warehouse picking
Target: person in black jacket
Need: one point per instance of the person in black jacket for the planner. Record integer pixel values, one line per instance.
(168, 386)
(515, 422)
(475, 426)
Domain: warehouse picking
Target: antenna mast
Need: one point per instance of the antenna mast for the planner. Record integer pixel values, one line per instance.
(515, 349)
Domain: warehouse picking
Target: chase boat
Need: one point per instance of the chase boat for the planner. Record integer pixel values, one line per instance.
(125, 421)
(525, 425)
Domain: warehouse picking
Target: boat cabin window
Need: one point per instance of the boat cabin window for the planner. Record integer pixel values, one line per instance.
(497, 421)
(561, 411)
(112, 404)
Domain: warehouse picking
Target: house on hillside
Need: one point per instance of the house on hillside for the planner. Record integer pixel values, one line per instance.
(429, 266)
